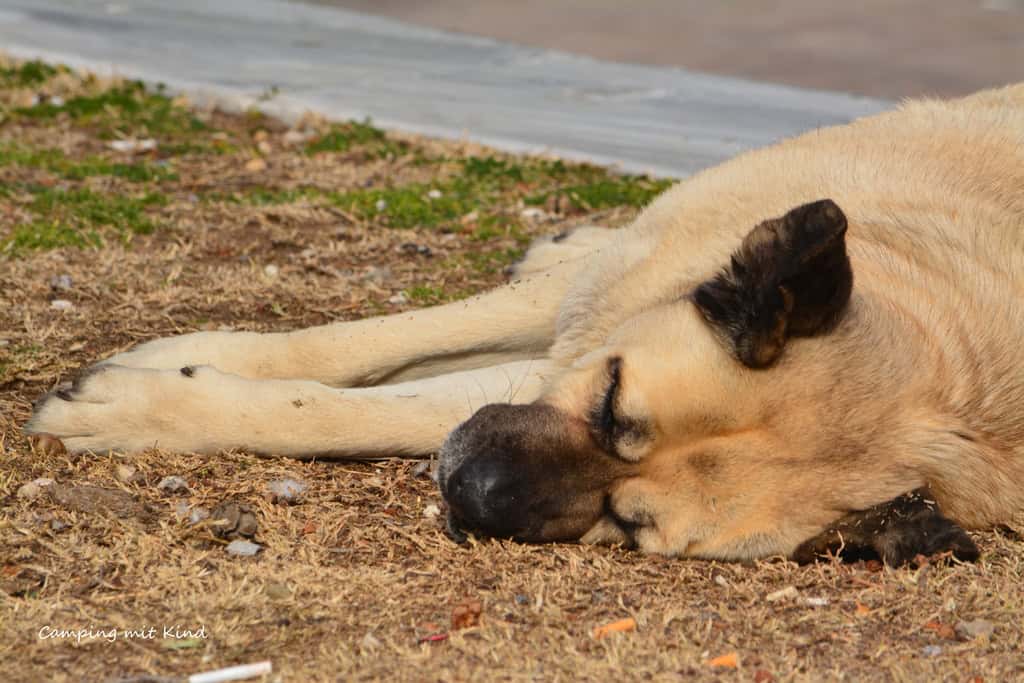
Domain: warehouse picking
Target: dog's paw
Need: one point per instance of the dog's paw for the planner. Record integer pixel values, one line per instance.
(112, 407)
(896, 532)
(228, 351)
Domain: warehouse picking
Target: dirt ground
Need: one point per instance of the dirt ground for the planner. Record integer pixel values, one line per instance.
(235, 221)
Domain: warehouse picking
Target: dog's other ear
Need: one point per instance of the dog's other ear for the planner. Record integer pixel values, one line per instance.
(790, 277)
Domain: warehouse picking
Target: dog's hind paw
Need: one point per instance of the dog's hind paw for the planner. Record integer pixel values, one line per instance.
(896, 532)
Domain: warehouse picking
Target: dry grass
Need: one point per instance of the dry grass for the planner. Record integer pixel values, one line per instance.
(357, 581)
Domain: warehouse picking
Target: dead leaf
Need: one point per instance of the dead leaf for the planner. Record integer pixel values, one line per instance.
(727, 661)
(620, 626)
(255, 165)
(466, 614)
(863, 610)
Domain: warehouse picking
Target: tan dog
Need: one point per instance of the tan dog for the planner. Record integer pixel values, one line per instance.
(802, 333)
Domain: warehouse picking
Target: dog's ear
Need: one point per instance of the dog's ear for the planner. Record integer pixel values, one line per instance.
(790, 277)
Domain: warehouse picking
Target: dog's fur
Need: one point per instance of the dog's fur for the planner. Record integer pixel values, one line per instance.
(806, 331)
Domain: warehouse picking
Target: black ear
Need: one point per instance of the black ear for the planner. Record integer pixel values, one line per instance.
(790, 277)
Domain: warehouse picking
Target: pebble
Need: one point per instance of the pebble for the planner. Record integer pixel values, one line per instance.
(173, 484)
(431, 511)
(32, 489)
(181, 509)
(271, 270)
(255, 165)
(381, 204)
(816, 602)
(128, 474)
(931, 650)
(533, 213)
(434, 194)
(286, 490)
(57, 526)
(58, 282)
(243, 548)
(785, 594)
(295, 137)
(399, 298)
(264, 147)
(979, 628)
(132, 145)
(61, 304)
(57, 101)
(197, 515)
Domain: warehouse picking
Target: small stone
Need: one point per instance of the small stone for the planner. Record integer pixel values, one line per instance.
(270, 270)
(47, 444)
(264, 147)
(431, 511)
(295, 137)
(255, 165)
(61, 304)
(434, 194)
(381, 204)
(816, 602)
(399, 298)
(181, 509)
(32, 489)
(787, 593)
(721, 581)
(57, 101)
(931, 650)
(979, 628)
(369, 642)
(522, 599)
(533, 213)
(198, 514)
(61, 282)
(58, 526)
(950, 605)
(128, 474)
(173, 484)
(130, 145)
(243, 548)
(286, 490)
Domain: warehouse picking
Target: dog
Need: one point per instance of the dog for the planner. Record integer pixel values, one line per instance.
(812, 346)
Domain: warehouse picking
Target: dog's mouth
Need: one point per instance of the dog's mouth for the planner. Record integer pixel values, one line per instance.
(610, 529)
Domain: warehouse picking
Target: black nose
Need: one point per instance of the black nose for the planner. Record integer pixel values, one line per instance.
(485, 495)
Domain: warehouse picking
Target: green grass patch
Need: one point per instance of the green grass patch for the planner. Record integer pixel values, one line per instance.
(609, 192)
(125, 109)
(354, 134)
(426, 295)
(55, 161)
(81, 218)
(28, 74)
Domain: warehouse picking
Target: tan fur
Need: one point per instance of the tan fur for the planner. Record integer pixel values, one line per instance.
(920, 384)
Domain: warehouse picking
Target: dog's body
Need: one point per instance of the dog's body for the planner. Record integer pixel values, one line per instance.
(667, 394)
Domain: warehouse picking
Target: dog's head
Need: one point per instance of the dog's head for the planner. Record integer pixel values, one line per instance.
(685, 433)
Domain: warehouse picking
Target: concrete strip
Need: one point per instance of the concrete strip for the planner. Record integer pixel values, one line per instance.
(288, 58)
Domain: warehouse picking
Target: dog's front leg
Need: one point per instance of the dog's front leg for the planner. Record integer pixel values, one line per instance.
(201, 409)
(510, 323)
